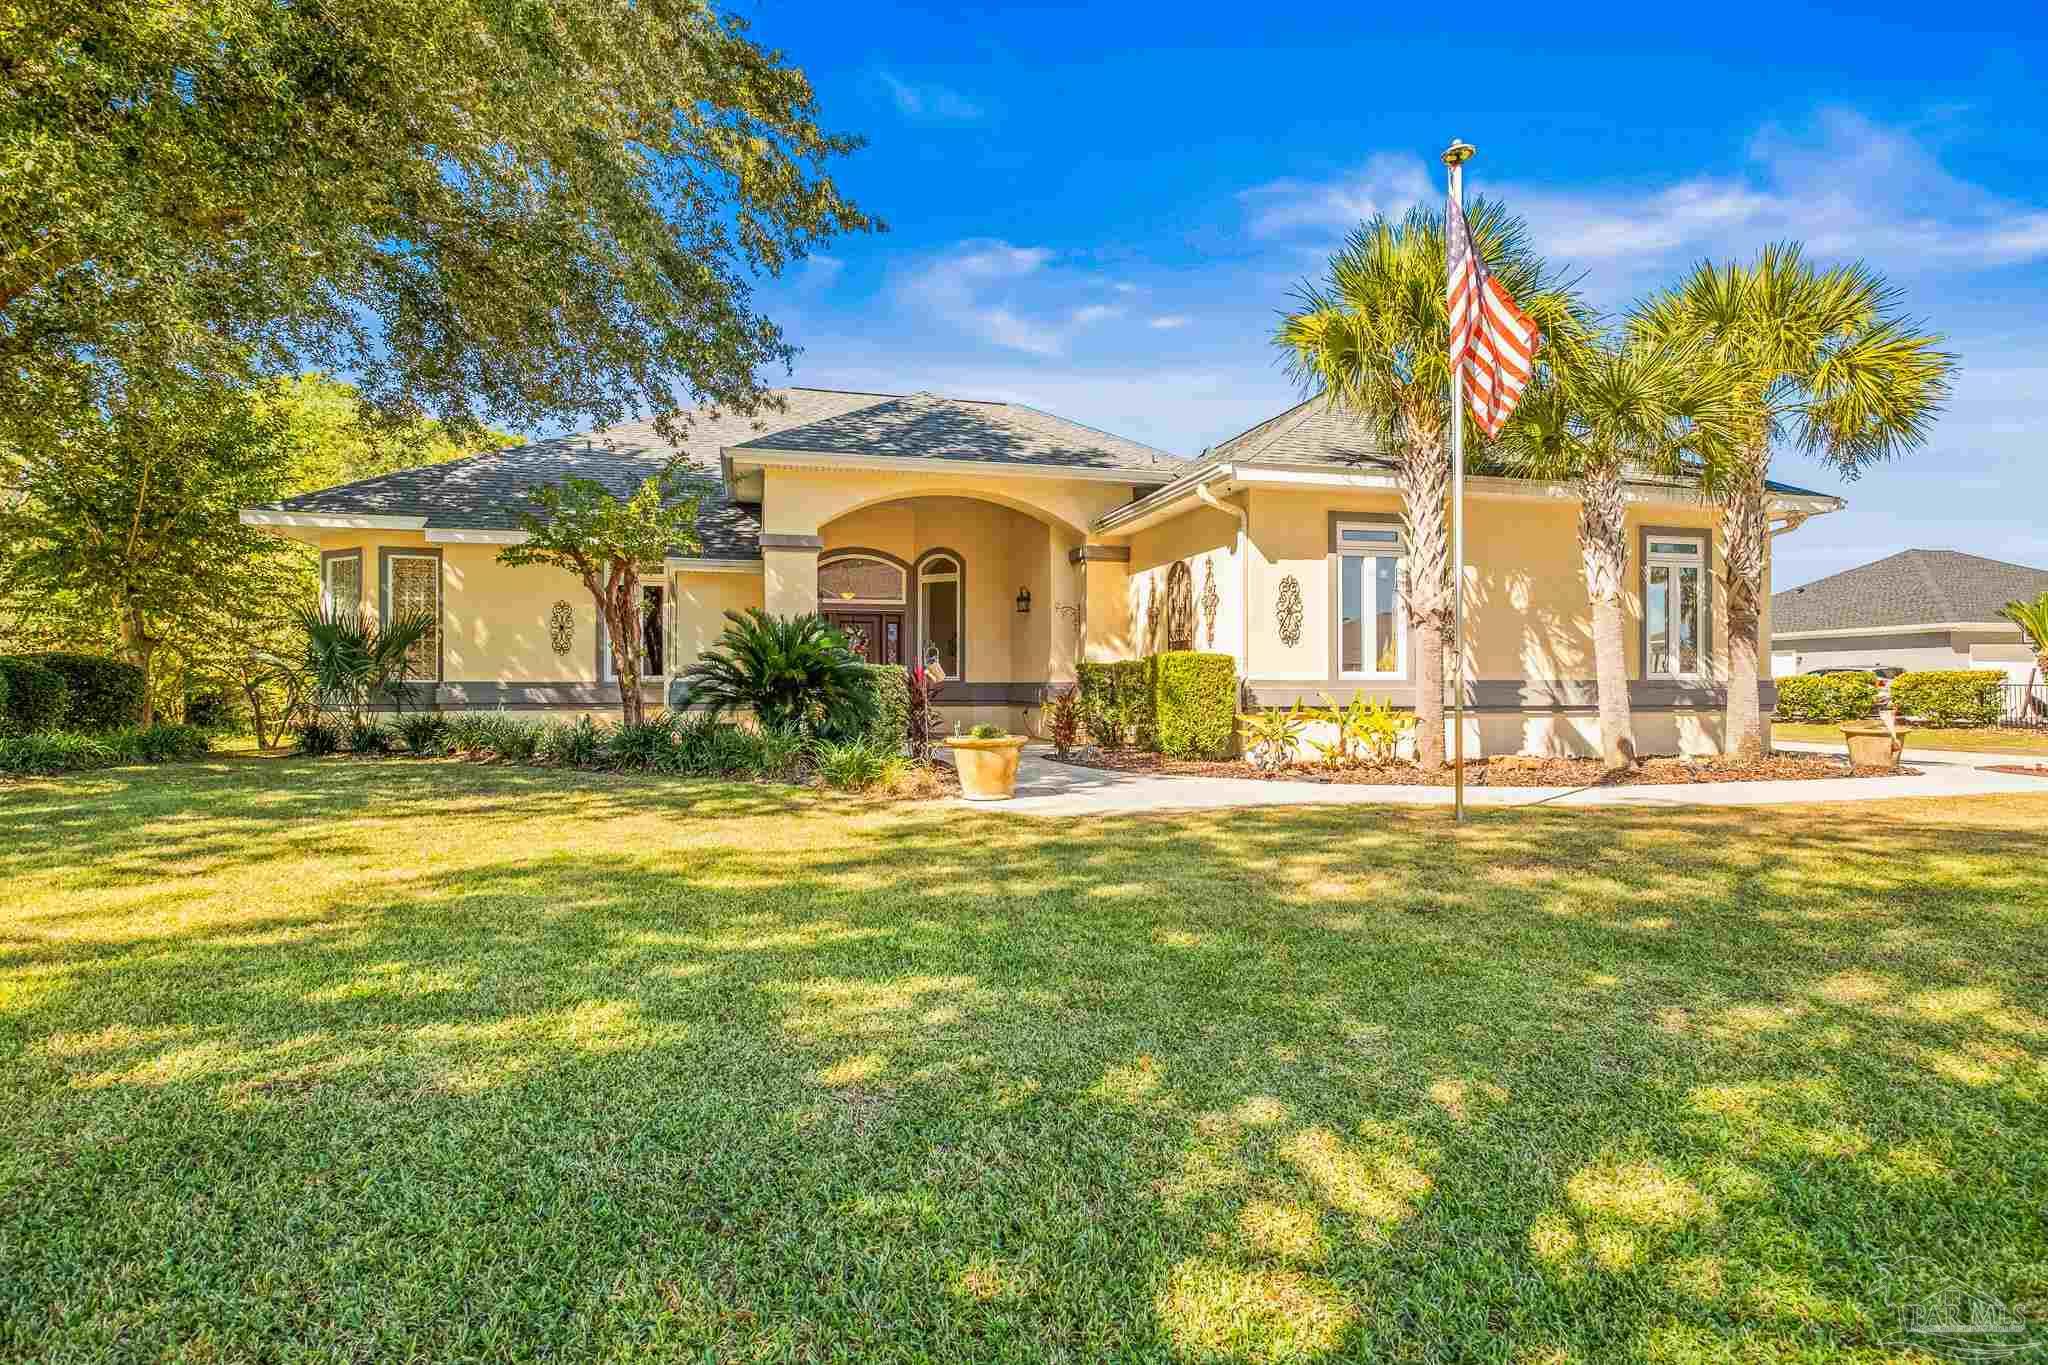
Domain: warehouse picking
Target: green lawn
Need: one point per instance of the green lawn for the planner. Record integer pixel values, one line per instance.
(1967, 741)
(421, 1061)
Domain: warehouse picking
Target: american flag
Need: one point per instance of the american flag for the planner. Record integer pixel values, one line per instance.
(1491, 339)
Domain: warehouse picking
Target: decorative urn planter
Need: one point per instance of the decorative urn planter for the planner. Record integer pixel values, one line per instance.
(1873, 744)
(988, 767)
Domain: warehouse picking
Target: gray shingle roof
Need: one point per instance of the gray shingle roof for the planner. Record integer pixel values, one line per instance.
(1910, 588)
(1313, 432)
(487, 491)
(927, 427)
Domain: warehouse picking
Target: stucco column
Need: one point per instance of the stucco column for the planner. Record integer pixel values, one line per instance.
(789, 573)
(1104, 586)
(1065, 607)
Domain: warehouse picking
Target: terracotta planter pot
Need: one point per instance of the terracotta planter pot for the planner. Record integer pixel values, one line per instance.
(988, 767)
(1871, 745)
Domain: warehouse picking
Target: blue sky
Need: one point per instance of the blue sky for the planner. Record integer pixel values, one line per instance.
(1100, 210)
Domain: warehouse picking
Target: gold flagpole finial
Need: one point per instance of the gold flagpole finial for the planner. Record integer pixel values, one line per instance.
(1459, 152)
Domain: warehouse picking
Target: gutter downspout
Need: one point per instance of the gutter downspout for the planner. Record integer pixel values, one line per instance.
(1244, 569)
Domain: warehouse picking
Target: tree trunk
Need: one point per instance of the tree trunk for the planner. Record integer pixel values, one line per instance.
(618, 603)
(141, 647)
(1425, 475)
(1745, 531)
(1603, 546)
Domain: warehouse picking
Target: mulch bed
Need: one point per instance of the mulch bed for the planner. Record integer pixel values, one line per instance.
(2019, 769)
(1502, 772)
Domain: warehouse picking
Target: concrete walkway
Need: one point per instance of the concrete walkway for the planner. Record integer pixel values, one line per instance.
(1048, 787)
(1915, 757)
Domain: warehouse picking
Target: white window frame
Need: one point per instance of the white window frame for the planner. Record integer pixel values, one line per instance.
(898, 601)
(925, 579)
(389, 572)
(608, 670)
(1395, 549)
(1674, 561)
(352, 557)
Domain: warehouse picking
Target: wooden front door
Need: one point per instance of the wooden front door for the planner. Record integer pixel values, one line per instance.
(877, 636)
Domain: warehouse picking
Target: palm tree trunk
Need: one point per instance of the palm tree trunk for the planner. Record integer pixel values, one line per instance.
(1425, 475)
(1745, 531)
(1603, 545)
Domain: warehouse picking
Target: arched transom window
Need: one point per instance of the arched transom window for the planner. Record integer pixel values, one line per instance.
(860, 580)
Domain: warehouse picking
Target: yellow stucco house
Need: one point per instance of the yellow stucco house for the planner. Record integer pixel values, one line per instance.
(1009, 544)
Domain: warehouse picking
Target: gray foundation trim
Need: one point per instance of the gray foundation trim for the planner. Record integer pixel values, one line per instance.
(1081, 554)
(777, 540)
(1503, 696)
(990, 694)
(1335, 625)
(1705, 535)
(387, 553)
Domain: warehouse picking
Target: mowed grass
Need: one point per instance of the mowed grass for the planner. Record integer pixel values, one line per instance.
(1964, 741)
(392, 1061)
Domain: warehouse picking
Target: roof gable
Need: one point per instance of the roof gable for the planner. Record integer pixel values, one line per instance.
(1910, 588)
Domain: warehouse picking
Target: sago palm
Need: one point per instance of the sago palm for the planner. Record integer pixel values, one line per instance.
(1599, 414)
(794, 672)
(1374, 337)
(1819, 359)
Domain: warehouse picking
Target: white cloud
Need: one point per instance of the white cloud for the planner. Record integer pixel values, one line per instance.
(928, 101)
(1170, 321)
(1003, 295)
(1844, 185)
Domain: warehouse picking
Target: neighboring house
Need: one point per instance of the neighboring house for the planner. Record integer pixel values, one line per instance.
(1915, 609)
(1009, 544)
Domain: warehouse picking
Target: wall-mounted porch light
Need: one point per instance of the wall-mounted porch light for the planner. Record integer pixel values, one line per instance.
(1023, 601)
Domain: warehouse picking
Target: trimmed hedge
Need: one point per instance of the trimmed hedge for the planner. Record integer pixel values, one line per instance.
(68, 751)
(1826, 698)
(891, 728)
(1950, 696)
(37, 697)
(1117, 703)
(100, 693)
(1196, 704)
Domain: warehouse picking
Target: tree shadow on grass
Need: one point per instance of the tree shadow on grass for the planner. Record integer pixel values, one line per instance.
(927, 1082)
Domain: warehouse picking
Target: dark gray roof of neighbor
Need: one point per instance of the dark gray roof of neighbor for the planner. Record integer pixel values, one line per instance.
(488, 490)
(1910, 588)
(925, 426)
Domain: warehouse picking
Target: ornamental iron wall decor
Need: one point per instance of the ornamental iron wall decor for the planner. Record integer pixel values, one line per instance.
(1289, 614)
(1151, 617)
(1180, 606)
(1211, 599)
(562, 628)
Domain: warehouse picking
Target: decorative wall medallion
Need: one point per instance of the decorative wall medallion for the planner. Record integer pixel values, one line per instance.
(562, 627)
(1211, 599)
(1151, 616)
(1070, 612)
(1289, 614)
(1180, 606)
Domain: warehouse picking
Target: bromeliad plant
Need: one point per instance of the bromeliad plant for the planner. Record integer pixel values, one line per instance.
(794, 672)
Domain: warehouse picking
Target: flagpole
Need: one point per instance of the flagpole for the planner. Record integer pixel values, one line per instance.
(1455, 157)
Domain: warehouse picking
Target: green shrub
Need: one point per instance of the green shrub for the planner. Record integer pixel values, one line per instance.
(1952, 696)
(508, 739)
(1062, 717)
(159, 743)
(1272, 737)
(1095, 686)
(100, 693)
(858, 764)
(422, 732)
(1196, 705)
(1827, 699)
(212, 711)
(580, 743)
(709, 747)
(1136, 714)
(794, 673)
(319, 737)
(38, 698)
(987, 731)
(779, 756)
(47, 753)
(891, 727)
(467, 735)
(646, 747)
(3, 697)
(365, 736)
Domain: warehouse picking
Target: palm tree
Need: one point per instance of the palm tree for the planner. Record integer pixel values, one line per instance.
(2032, 619)
(1820, 358)
(1374, 338)
(1598, 414)
(794, 672)
(353, 661)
